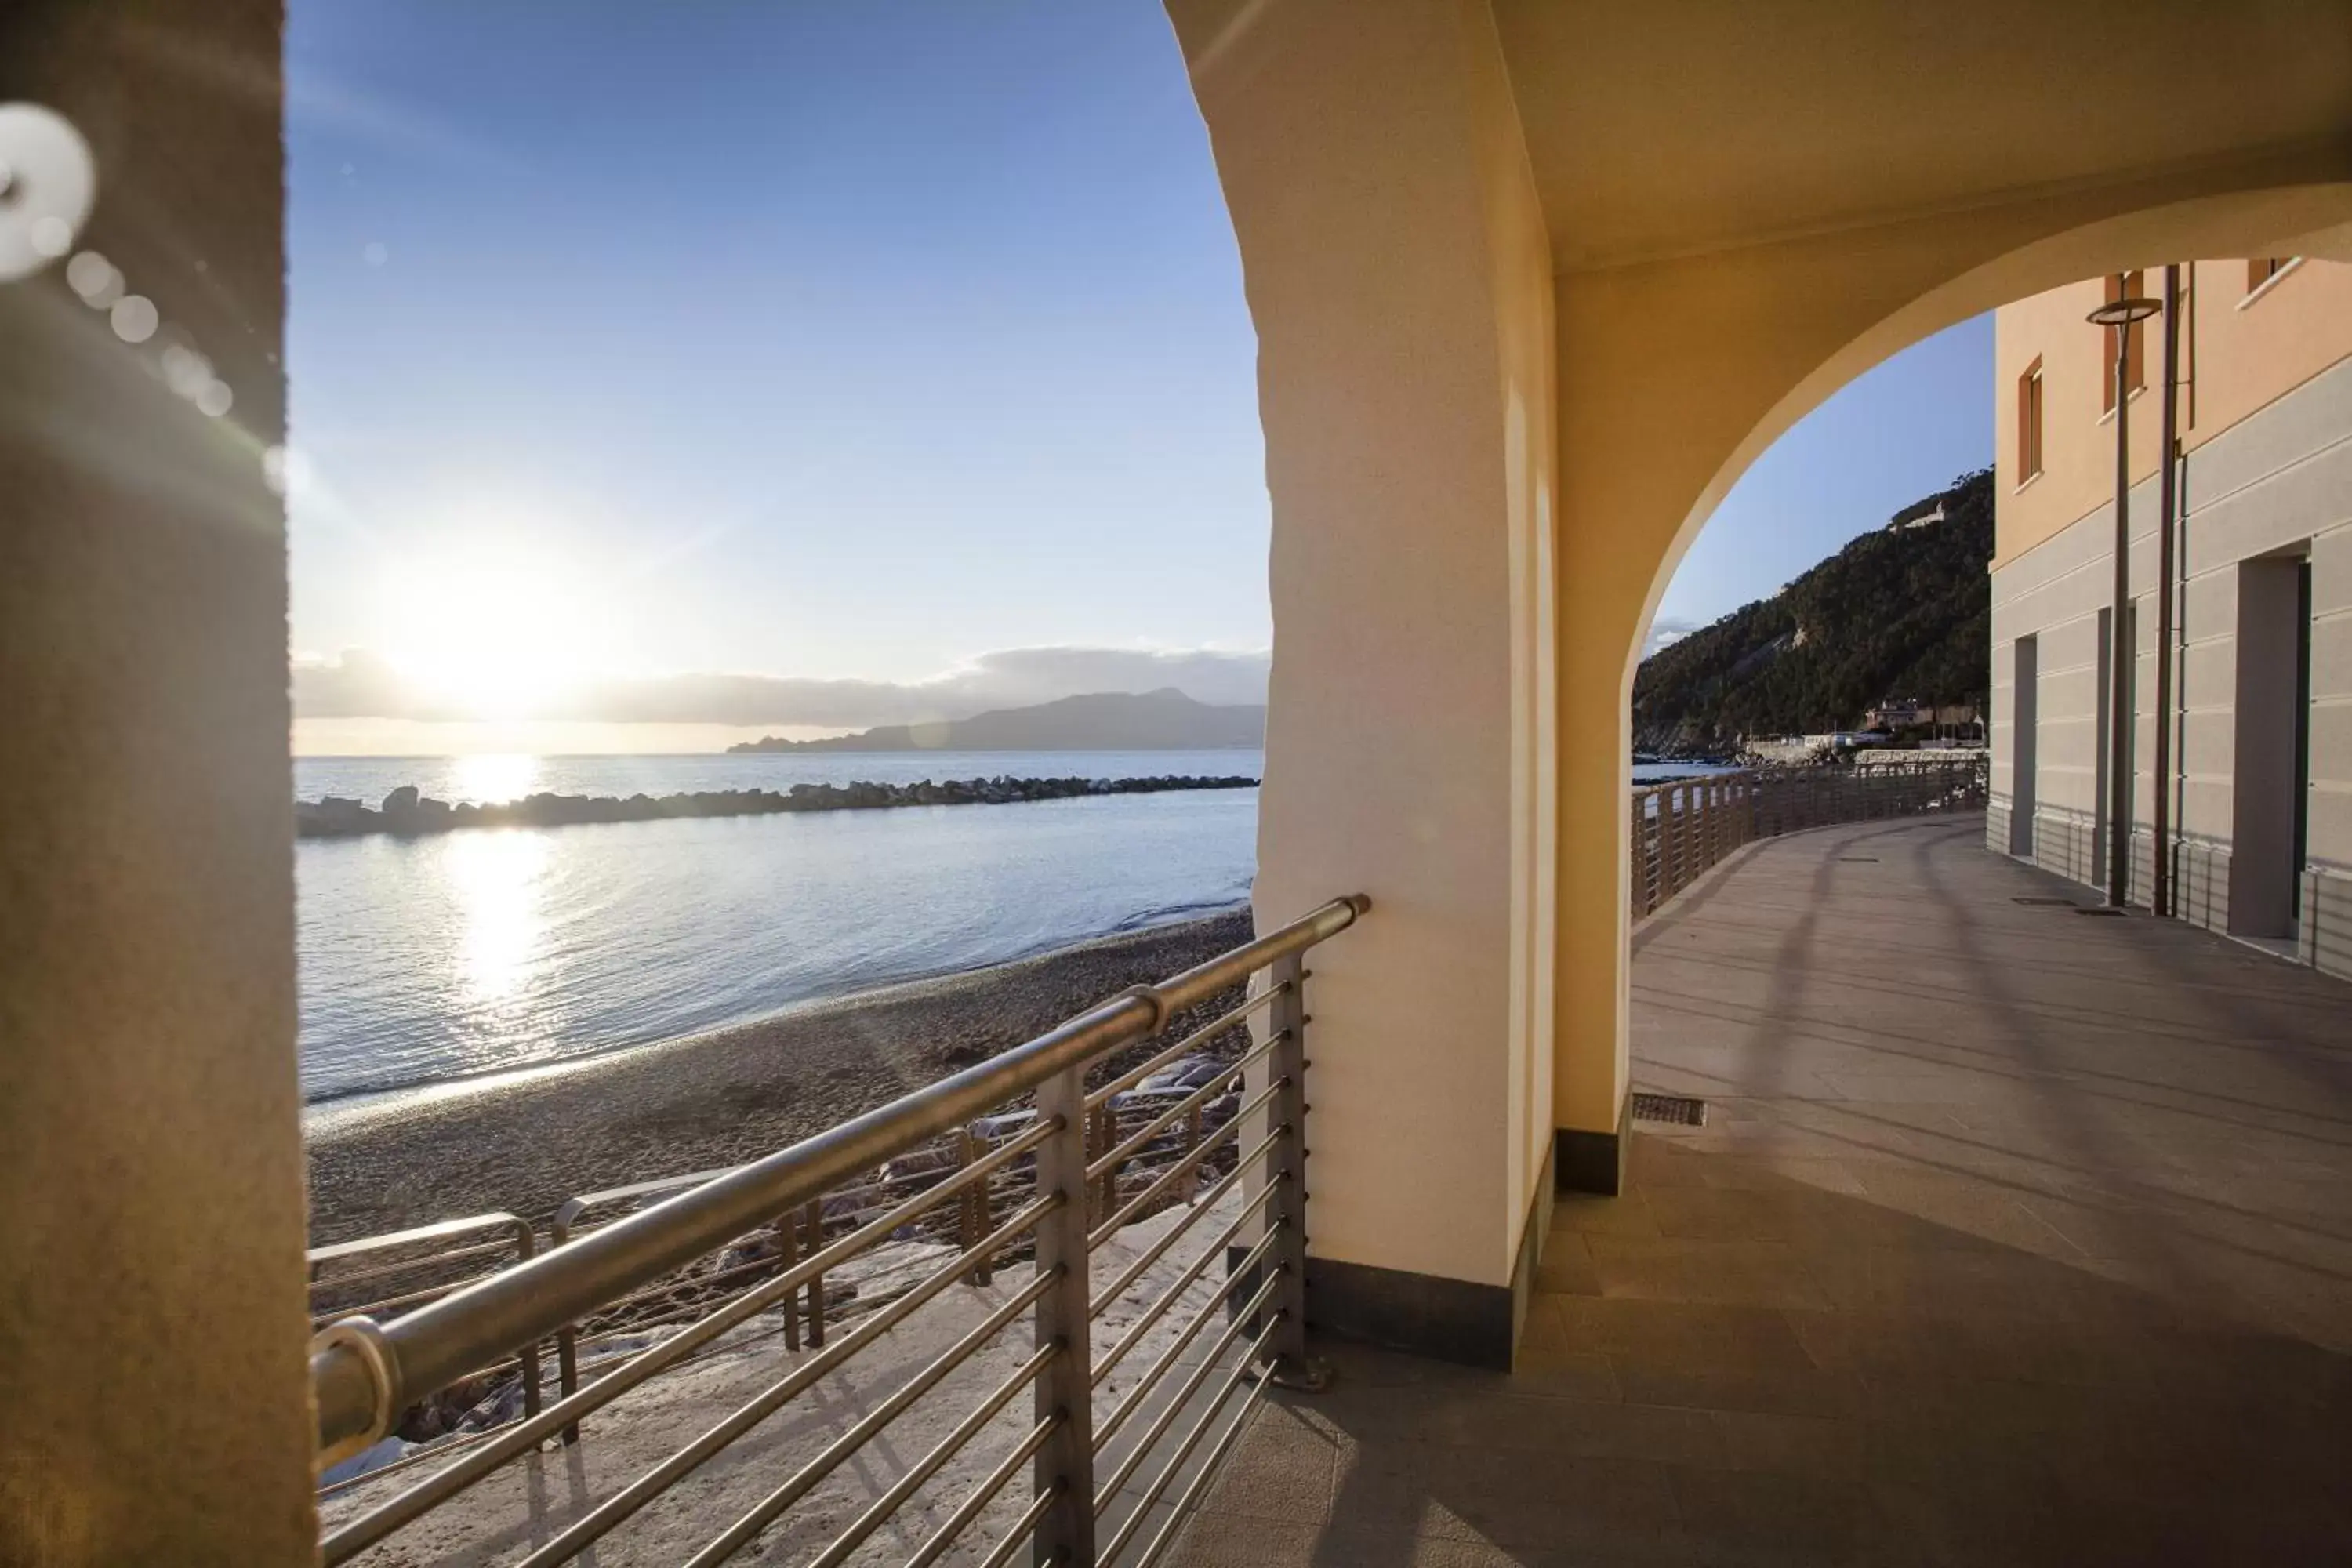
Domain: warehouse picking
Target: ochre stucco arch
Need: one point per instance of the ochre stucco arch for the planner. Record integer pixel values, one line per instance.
(1532, 285)
(2291, 221)
(1726, 353)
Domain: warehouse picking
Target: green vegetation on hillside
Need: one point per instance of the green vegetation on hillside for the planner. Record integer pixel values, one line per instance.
(1903, 612)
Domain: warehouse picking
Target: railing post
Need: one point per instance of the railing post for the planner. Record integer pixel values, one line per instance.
(567, 1338)
(816, 1282)
(1669, 841)
(788, 1257)
(1286, 1168)
(525, 1244)
(1064, 1391)
(971, 1208)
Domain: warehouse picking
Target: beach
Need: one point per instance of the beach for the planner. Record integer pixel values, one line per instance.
(524, 1144)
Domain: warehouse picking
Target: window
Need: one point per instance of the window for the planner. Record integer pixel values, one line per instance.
(2028, 422)
(2124, 286)
(2262, 269)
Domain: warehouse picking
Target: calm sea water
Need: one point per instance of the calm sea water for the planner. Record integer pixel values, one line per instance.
(492, 950)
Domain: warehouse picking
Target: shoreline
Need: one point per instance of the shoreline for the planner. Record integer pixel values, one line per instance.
(523, 1142)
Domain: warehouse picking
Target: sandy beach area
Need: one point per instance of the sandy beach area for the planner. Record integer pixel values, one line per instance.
(525, 1145)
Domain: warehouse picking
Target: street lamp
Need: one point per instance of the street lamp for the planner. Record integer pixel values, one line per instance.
(2121, 314)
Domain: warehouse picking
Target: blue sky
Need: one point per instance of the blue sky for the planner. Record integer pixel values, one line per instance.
(1896, 433)
(853, 343)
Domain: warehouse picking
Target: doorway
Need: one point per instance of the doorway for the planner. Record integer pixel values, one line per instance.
(2024, 724)
(2273, 751)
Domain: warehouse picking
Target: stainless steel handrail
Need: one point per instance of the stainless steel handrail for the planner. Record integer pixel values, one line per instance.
(363, 1374)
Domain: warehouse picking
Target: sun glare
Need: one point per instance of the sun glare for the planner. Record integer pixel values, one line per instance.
(489, 640)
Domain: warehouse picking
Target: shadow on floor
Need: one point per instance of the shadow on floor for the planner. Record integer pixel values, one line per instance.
(2013, 1237)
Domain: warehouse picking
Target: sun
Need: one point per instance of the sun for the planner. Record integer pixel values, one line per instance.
(489, 639)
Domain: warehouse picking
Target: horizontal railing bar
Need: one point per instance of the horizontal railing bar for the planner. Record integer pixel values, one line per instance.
(645, 1188)
(1190, 1161)
(650, 1485)
(924, 1468)
(956, 1523)
(404, 1265)
(1179, 1515)
(441, 1448)
(811, 1475)
(406, 1297)
(1193, 1101)
(404, 1238)
(1175, 1292)
(1150, 1495)
(442, 1485)
(1141, 1448)
(358, 1390)
(1198, 1207)
(1193, 1041)
(1173, 1351)
(1023, 1527)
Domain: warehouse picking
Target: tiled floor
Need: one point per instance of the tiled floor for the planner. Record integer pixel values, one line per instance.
(2013, 1237)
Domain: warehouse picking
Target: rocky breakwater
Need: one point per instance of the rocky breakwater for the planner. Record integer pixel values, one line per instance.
(405, 811)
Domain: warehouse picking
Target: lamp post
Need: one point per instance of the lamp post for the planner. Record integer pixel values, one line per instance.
(2120, 314)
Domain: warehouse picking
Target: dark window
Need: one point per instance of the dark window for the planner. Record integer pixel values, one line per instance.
(2028, 422)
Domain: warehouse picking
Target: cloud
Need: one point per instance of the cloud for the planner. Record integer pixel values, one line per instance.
(1667, 629)
(358, 684)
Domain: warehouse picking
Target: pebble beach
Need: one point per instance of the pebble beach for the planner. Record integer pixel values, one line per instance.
(524, 1144)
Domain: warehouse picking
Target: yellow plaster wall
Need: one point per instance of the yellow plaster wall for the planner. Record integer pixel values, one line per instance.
(1396, 267)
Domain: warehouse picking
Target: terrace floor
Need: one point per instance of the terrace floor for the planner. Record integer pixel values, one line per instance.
(2014, 1236)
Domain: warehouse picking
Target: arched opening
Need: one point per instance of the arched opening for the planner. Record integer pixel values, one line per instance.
(1727, 354)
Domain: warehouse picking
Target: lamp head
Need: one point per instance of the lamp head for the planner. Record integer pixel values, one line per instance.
(2124, 312)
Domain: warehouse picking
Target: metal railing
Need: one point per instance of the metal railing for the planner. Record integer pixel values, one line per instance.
(1143, 1359)
(1682, 829)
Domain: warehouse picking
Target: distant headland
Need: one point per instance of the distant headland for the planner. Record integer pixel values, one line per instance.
(1161, 720)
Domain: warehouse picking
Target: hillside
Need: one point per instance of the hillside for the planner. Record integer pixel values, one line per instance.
(1903, 611)
(1165, 719)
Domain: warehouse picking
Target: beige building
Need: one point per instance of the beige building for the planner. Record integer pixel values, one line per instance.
(2258, 782)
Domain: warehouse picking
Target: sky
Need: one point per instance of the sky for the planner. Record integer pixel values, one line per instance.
(792, 368)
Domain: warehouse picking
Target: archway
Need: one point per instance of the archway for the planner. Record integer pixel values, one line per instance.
(1531, 288)
(1769, 337)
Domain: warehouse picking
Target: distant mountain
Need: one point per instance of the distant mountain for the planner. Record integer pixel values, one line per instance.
(1903, 612)
(1162, 720)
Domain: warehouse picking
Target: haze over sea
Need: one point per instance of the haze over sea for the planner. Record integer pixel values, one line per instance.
(489, 950)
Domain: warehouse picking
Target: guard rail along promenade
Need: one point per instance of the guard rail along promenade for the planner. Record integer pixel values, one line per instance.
(918, 1204)
(1682, 828)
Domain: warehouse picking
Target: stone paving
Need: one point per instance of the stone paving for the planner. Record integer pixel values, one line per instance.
(2014, 1236)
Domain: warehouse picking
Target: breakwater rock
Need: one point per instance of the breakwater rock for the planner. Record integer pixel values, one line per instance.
(405, 811)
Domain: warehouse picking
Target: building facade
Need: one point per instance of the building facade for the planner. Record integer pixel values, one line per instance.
(2258, 783)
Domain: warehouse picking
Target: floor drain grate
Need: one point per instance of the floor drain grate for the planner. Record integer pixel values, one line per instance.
(2059, 902)
(1672, 1108)
(2100, 909)
(1857, 860)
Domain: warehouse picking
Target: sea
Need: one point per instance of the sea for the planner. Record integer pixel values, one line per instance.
(488, 951)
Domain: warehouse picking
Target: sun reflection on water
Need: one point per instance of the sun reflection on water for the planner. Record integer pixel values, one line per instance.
(499, 880)
(493, 776)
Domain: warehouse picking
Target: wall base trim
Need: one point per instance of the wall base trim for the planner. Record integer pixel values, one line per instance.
(1588, 1162)
(1428, 1315)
